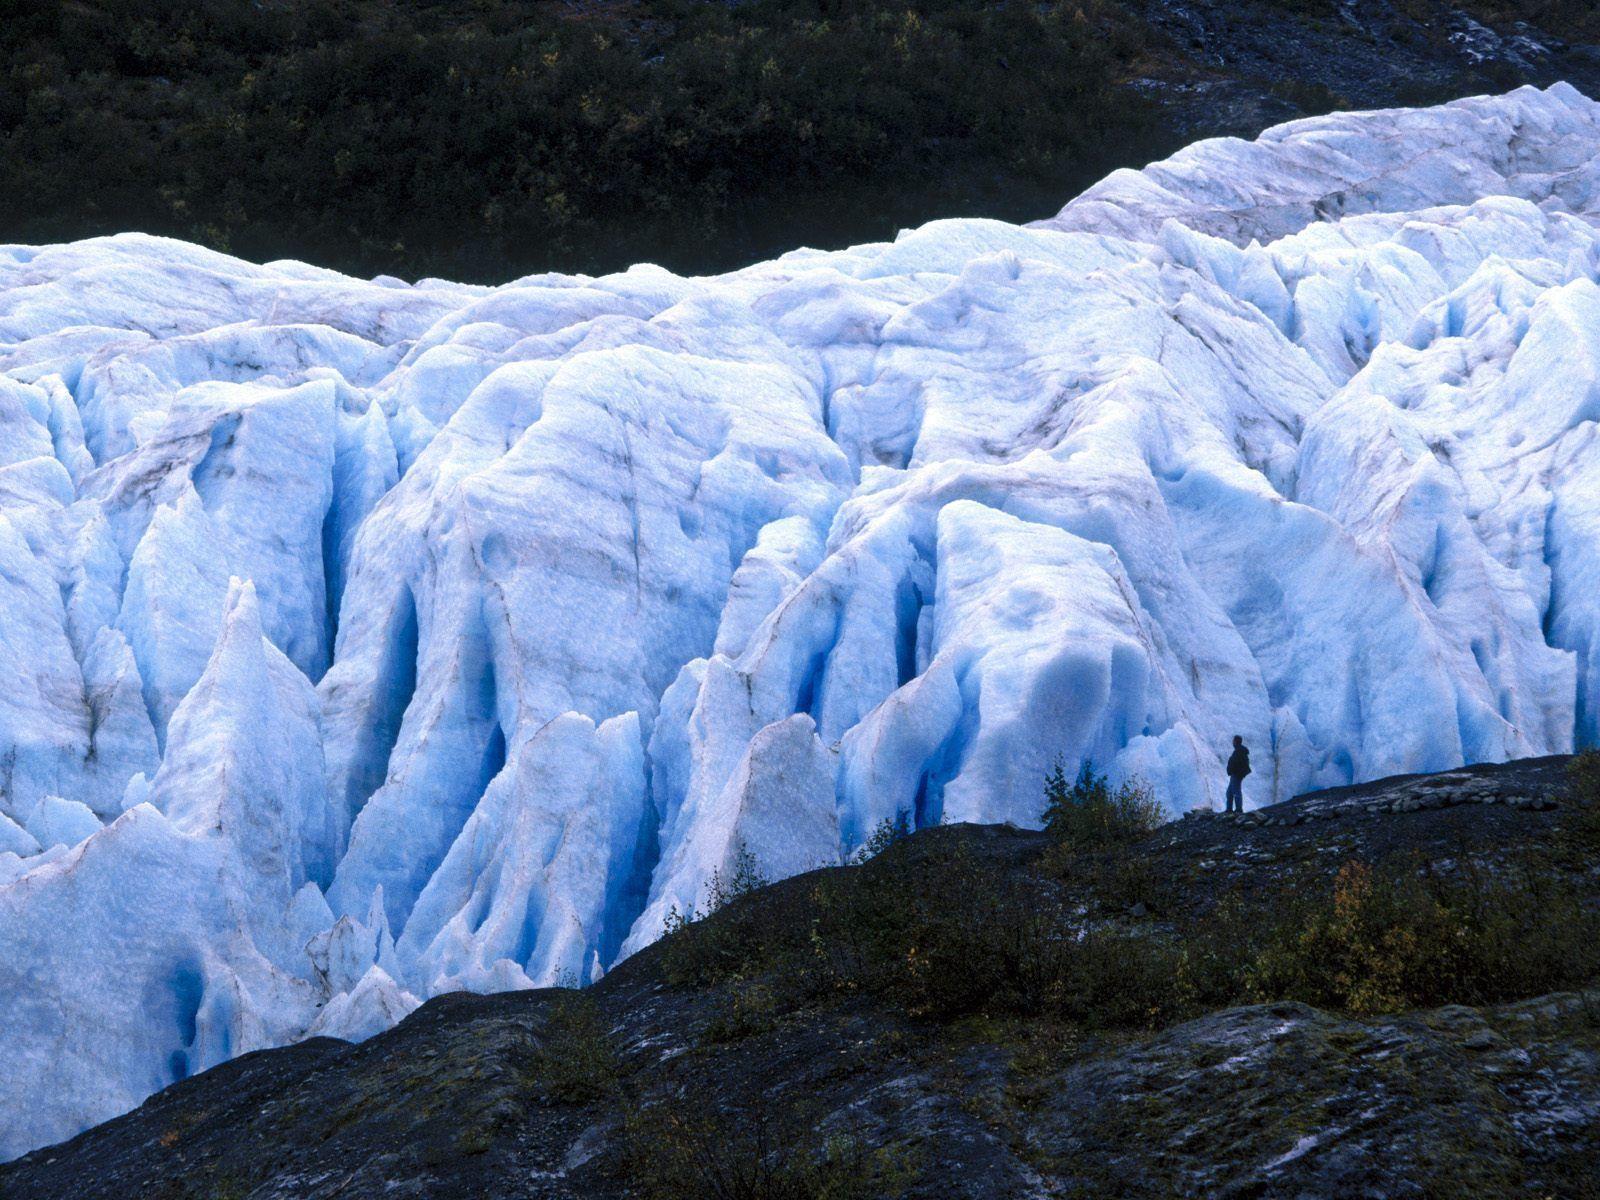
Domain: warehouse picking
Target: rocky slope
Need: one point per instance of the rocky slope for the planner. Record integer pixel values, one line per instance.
(534, 1095)
(1236, 66)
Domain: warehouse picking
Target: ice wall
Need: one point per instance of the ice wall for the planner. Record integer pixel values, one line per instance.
(367, 640)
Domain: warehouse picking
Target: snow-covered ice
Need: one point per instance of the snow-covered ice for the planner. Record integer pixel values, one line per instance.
(364, 640)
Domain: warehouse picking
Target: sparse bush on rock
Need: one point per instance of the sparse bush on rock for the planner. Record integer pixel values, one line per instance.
(1091, 811)
(1078, 939)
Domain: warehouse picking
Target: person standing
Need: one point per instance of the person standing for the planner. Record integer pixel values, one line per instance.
(1238, 768)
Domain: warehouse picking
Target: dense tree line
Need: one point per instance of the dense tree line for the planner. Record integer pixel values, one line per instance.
(486, 140)
(483, 139)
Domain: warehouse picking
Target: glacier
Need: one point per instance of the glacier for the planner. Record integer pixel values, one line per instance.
(367, 640)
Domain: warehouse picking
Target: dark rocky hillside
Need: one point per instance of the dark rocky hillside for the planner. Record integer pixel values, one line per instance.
(1369, 992)
(488, 140)
(1237, 66)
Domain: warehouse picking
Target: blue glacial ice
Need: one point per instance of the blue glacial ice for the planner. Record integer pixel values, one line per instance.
(364, 640)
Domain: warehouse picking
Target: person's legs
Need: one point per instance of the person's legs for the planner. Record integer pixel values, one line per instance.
(1235, 795)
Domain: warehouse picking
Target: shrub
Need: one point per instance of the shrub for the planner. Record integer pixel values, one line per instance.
(1379, 939)
(1091, 812)
(745, 878)
(751, 1008)
(1395, 938)
(1356, 952)
(938, 933)
(950, 938)
(727, 1152)
(1575, 20)
(1127, 980)
(697, 949)
(576, 1061)
(884, 834)
(937, 938)
(1120, 882)
(1580, 818)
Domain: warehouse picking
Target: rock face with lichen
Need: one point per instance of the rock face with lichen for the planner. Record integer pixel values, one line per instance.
(1520, 785)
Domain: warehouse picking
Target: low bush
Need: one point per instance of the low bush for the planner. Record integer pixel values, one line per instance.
(938, 934)
(1573, 20)
(1579, 822)
(1090, 811)
(884, 834)
(755, 1152)
(697, 949)
(1396, 937)
(1121, 882)
(751, 1008)
(576, 1061)
(948, 938)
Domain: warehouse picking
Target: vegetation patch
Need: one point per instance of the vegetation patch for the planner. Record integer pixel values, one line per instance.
(576, 1062)
(757, 1153)
(1090, 811)
(1580, 821)
(1400, 936)
(1093, 936)
(698, 952)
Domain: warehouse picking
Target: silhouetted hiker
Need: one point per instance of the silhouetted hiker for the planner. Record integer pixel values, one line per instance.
(1238, 768)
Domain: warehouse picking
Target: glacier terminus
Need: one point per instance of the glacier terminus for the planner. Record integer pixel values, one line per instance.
(364, 641)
